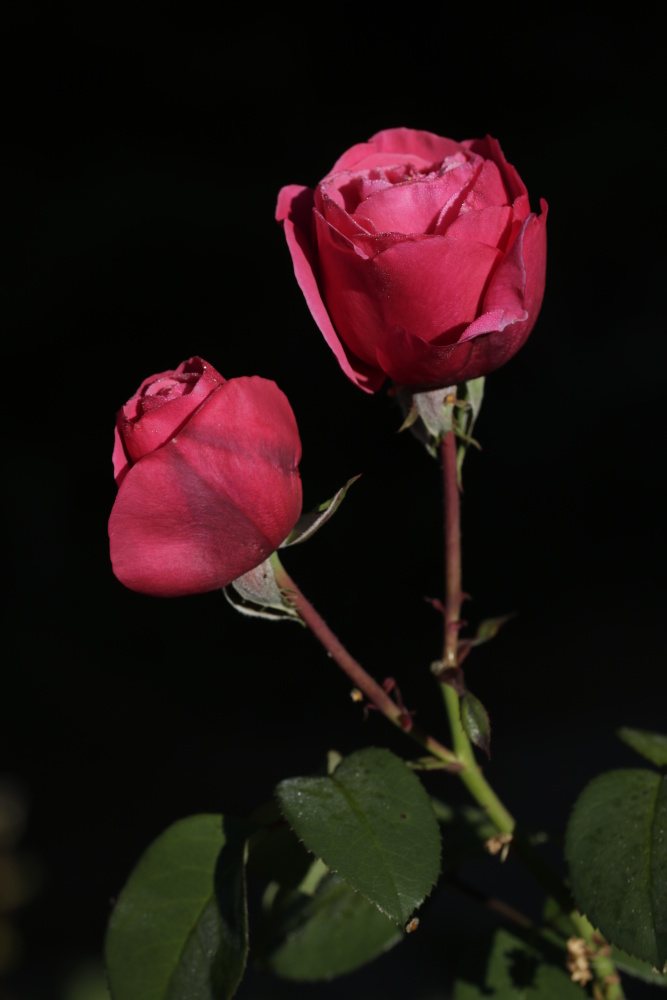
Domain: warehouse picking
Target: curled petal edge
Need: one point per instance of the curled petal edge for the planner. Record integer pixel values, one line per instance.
(294, 210)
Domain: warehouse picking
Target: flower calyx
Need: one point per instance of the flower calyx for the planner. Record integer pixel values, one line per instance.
(432, 414)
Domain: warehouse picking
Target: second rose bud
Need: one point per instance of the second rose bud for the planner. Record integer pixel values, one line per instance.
(208, 479)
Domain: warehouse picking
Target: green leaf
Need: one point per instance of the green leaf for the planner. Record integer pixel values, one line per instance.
(653, 746)
(323, 935)
(514, 967)
(179, 929)
(475, 722)
(616, 848)
(276, 855)
(635, 967)
(372, 823)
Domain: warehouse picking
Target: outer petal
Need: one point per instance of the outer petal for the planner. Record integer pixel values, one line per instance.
(294, 210)
(216, 500)
(427, 285)
(490, 149)
(120, 460)
(411, 361)
(511, 307)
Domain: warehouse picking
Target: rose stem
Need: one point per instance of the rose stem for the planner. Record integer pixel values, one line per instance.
(470, 772)
(359, 677)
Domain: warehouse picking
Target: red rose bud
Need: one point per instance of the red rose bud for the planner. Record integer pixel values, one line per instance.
(208, 480)
(419, 258)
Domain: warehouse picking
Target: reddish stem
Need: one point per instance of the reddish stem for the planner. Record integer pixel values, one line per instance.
(359, 677)
(453, 592)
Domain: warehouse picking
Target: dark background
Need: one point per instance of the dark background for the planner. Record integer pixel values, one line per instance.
(144, 157)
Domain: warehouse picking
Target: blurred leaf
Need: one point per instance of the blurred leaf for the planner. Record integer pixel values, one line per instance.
(324, 935)
(372, 823)
(616, 848)
(475, 722)
(178, 930)
(276, 855)
(486, 630)
(465, 829)
(514, 967)
(652, 746)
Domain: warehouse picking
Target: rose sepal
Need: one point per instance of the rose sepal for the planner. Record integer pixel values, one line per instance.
(311, 522)
(431, 415)
(258, 595)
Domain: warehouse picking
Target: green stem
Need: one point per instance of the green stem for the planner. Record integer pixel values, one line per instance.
(602, 962)
(359, 677)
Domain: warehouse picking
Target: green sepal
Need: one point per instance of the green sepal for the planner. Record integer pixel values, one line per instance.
(434, 413)
(257, 595)
(311, 522)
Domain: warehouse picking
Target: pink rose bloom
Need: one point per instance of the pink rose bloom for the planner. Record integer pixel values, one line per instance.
(208, 480)
(419, 258)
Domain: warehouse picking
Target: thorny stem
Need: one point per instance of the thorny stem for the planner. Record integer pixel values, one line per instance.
(470, 774)
(453, 593)
(376, 695)
(608, 982)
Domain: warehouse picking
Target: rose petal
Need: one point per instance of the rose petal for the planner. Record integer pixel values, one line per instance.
(295, 209)
(396, 145)
(120, 459)
(411, 361)
(427, 285)
(511, 307)
(490, 149)
(491, 226)
(158, 409)
(414, 206)
(350, 227)
(216, 500)
(488, 188)
(517, 287)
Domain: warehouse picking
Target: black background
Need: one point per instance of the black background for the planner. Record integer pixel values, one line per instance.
(145, 154)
